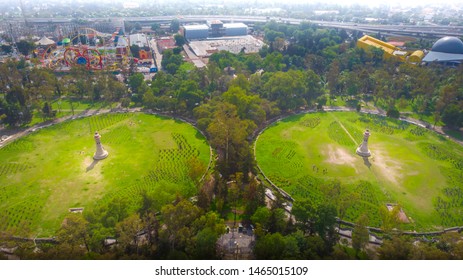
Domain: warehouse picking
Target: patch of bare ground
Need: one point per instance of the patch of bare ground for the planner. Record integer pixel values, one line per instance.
(340, 156)
(92, 168)
(400, 214)
(389, 169)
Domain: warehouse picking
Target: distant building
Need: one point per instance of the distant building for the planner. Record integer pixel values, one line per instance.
(192, 32)
(44, 41)
(165, 43)
(396, 43)
(416, 57)
(214, 29)
(447, 50)
(367, 42)
(235, 29)
(139, 40)
(390, 51)
(147, 30)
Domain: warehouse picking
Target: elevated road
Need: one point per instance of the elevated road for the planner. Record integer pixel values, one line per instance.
(432, 31)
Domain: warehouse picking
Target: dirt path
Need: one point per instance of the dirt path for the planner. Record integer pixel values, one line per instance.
(377, 111)
(342, 126)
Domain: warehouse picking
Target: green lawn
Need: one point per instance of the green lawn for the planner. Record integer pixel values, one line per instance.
(410, 166)
(45, 173)
(63, 108)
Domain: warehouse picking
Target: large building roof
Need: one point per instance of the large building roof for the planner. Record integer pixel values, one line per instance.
(373, 42)
(44, 41)
(446, 49)
(138, 39)
(196, 27)
(448, 45)
(235, 25)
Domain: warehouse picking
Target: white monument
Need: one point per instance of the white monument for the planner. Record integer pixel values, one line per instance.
(100, 153)
(362, 149)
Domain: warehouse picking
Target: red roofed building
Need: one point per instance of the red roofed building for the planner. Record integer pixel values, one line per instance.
(165, 43)
(397, 44)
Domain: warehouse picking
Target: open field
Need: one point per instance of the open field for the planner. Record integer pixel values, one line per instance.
(410, 166)
(64, 107)
(49, 171)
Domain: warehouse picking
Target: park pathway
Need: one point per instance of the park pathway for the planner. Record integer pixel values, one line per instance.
(19, 132)
(16, 133)
(435, 128)
(342, 126)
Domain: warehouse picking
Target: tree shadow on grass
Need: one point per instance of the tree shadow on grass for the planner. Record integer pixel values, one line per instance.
(92, 165)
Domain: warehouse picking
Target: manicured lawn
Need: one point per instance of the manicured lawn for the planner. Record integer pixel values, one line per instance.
(63, 108)
(410, 166)
(45, 173)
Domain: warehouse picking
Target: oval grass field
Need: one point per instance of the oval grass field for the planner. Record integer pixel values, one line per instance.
(410, 166)
(44, 174)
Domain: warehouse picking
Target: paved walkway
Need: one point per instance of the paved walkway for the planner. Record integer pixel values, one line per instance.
(194, 59)
(437, 129)
(16, 133)
(157, 54)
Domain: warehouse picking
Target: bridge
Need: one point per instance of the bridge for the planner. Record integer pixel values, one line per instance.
(429, 31)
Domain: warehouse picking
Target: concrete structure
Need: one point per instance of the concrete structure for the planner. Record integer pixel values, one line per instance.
(138, 39)
(192, 32)
(447, 50)
(165, 43)
(235, 29)
(44, 41)
(363, 150)
(235, 45)
(100, 153)
(214, 29)
(416, 57)
(390, 51)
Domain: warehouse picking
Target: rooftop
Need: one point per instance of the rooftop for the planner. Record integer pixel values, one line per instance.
(196, 27)
(235, 25)
(448, 45)
(446, 49)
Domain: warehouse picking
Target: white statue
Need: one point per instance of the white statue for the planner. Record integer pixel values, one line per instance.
(100, 153)
(362, 149)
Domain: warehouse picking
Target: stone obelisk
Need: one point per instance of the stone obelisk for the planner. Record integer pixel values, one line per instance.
(363, 150)
(100, 153)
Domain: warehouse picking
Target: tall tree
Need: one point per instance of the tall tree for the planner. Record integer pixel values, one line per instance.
(398, 248)
(179, 40)
(73, 234)
(325, 225)
(177, 220)
(127, 233)
(228, 134)
(174, 25)
(360, 234)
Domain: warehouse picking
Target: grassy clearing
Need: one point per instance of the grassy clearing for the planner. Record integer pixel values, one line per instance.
(45, 173)
(63, 108)
(410, 166)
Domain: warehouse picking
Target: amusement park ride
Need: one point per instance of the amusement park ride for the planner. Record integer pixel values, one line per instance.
(89, 48)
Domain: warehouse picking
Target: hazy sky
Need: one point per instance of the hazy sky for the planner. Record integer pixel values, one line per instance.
(342, 2)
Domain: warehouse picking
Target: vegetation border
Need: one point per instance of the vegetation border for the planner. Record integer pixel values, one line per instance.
(72, 118)
(351, 224)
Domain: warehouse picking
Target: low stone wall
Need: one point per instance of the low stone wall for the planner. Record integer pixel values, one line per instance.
(36, 240)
